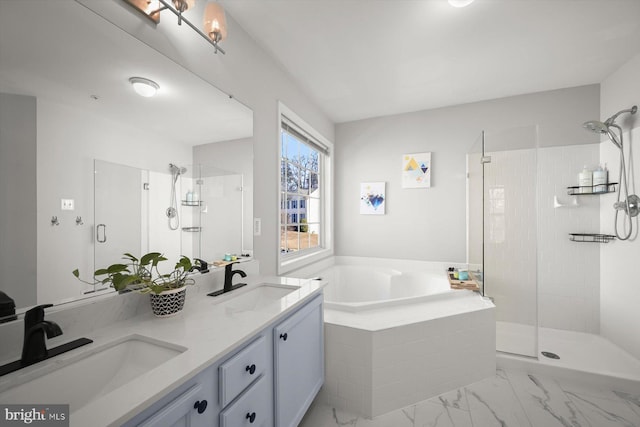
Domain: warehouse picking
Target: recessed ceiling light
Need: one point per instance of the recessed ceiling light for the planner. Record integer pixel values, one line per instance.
(144, 87)
(460, 3)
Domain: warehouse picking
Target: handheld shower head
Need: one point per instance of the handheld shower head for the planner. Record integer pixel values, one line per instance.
(596, 126)
(177, 169)
(611, 120)
(604, 128)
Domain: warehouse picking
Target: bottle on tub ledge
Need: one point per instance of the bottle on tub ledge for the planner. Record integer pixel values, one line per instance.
(600, 179)
(585, 180)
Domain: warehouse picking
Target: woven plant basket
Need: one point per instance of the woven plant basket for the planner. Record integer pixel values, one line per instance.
(168, 303)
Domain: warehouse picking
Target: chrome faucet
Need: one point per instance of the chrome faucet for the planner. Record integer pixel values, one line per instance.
(229, 272)
(34, 348)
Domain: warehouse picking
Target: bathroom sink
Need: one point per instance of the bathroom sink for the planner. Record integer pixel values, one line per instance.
(81, 379)
(258, 297)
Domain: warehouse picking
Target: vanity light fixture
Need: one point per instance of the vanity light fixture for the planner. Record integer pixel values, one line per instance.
(215, 25)
(460, 3)
(144, 87)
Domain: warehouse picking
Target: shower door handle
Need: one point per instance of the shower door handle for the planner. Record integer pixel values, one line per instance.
(102, 227)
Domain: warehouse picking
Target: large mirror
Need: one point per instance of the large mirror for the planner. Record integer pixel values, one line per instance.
(79, 148)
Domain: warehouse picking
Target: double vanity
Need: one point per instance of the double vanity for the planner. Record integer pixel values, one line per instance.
(253, 357)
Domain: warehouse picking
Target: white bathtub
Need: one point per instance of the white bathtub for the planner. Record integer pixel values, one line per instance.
(359, 287)
(396, 334)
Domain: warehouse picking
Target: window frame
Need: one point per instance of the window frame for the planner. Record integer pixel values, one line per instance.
(293, 260)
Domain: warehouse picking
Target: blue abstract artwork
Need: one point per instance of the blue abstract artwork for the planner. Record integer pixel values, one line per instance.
(372, 198)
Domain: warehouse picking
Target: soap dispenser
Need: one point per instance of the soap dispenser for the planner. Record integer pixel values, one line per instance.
(600, 179)
(585, 180)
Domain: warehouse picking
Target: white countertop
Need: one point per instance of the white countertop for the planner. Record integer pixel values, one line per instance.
(206, 327)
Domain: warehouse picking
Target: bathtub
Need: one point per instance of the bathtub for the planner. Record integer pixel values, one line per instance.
(396, 334)
(360, 287)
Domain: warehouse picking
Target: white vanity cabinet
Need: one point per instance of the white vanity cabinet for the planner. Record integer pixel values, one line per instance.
(192, 405)
(245, 383)
(298, 363)
(269, 382)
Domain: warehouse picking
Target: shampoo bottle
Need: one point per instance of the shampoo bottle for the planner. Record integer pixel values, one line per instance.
(585, 180)
(600, 179)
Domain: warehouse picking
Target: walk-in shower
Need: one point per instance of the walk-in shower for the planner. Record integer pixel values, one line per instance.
(631, 203)
(172, 210)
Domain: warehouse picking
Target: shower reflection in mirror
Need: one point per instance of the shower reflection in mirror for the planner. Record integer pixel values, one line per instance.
(201, 199)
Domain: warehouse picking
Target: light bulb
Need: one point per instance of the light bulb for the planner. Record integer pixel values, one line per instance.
(215, 23)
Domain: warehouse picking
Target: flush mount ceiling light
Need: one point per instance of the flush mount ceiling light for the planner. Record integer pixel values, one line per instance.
(460, 3)
(144, 87)
(215, 24)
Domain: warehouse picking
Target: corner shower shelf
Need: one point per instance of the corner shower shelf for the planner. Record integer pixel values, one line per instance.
(592, 190)
(591, 238)
(192, 203)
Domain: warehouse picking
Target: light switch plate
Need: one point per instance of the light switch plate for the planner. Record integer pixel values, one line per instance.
(257, 226)
(66, 204)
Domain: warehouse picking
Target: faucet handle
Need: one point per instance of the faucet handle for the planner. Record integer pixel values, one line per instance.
(36, 314)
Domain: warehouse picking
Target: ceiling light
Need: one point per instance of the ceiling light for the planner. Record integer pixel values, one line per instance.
(144, 87)
(460, 3)
(215, 26)
(215, 23)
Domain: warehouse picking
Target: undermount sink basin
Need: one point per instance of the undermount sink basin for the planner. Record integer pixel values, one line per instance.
(259, 297)
(81, 379)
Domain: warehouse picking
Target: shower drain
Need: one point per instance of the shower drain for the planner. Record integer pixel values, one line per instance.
(550, 355)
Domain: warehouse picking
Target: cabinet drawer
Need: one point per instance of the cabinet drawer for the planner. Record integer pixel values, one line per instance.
(242, 369)
(252, 409)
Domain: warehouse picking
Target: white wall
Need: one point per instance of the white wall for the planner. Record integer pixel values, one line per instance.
(429, 224)
(619, 287)
(254, 78)
(17, 201)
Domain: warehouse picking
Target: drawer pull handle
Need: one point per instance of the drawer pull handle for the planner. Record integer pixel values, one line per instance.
(251, 417)
(200, 405)
(251, 369)
(284, 336)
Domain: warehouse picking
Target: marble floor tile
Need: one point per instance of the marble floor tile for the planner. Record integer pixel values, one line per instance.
(601, 412)
(492, 402)
(442, 414)
(633, 400)
(509, 399)
(544, 402)
(454, 399)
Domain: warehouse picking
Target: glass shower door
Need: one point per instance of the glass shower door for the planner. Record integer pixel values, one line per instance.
(509, 162)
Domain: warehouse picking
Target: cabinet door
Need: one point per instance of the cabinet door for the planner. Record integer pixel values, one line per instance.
(195, 407)
(299, 362)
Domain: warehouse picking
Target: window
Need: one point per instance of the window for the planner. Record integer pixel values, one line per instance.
(305, 189)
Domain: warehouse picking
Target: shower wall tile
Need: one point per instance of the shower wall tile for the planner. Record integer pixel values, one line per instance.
(568, 272)
(528, 252)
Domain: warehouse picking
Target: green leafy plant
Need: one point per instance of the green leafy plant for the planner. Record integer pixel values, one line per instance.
(142, 275)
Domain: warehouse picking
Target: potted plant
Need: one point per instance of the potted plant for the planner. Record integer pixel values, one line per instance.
(167, 290)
